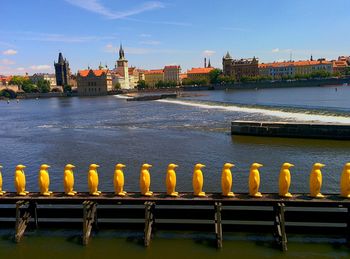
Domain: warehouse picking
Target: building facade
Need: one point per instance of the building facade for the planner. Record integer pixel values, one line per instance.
(44, 76)
(172, 74)
(153, 76)
(239, 68)
(94, 82)
(62, 71)
(200, 73)
(278, 70)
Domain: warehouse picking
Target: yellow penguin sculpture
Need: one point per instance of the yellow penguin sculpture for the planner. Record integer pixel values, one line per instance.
(145, 180)
(316, 181)
(171, 180)
(198, 180)
(118, 180)
(68, 180)
(254, 180)
(44, 180)
(1, 191)
(93, 180)
(20, 181)
(345, 181)
(284, 180)
(226, 180)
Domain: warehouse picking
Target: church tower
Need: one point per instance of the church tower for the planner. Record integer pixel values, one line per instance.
(122, 67)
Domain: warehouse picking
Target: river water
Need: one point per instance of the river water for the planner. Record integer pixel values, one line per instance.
(196, 128)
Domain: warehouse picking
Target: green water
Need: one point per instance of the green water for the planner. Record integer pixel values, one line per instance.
(109, 244)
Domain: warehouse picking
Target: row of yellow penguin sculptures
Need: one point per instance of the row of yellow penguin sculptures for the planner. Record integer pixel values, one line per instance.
(197, 181)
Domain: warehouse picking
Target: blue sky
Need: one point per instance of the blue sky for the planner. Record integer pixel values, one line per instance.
(158, 33)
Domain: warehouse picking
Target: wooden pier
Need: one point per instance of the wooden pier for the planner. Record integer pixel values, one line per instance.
(279, 216)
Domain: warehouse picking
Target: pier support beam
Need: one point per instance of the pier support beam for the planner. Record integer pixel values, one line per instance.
(348, 225)
(149, 221)
(279, 226)
(24, 212)
(90, 218)
(218, 225)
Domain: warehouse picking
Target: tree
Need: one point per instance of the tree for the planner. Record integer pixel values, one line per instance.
(117, 86)
(29, 87)
(67, 88)
(142, 85)
(214, 76)
(43, 86)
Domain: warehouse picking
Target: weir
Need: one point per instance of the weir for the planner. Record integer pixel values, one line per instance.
(291, 129)
(214, 213)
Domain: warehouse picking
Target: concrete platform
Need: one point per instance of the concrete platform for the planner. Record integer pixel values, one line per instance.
(291, 129)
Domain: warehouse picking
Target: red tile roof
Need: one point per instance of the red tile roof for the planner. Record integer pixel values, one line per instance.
(294, 63)
(200, 70)
(98, 72)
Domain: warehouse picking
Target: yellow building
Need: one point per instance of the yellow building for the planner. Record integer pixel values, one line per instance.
(199, 73)
(309, 66)
(154, 76)
(94, 82)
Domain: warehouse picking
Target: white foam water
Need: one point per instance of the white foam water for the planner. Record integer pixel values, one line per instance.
(121, 96)
(298, 116)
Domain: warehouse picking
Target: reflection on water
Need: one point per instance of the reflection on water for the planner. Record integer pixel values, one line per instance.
(107, 244)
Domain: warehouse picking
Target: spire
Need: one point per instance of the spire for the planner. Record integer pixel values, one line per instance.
(100, 66)
(228, 56)
(311, 58)
(121, 52)
(205, 62)
(209, 65)
(60, 58)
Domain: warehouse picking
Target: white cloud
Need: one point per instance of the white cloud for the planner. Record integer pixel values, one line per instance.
(110, 48)
(208, 53)
(40, 67)
(145, 35)
(20, 69)
(6, 61)
(277, 50)
(96, 7)
(10, 52)
(150, 42)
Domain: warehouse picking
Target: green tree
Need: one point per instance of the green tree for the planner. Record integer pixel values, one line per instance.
(214, 76)
(43, 86)
(142, 85)
(117, 86)
(29, 87)
(67, 88)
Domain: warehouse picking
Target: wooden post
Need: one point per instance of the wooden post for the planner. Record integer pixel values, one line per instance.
(348, 225)
(22, 221)
(279, 226)
(218, 225)
(149, 220)
(90, 217)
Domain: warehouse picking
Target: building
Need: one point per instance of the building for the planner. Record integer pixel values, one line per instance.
(153, 76)
(278, 70)
(172, 74)
(239, 68)
(340, 66)
(44, 76)
(199, 74)
(94, 82)
(126, 77)
(62, 71)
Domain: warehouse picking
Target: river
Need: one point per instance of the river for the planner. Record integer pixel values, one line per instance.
(196, 128)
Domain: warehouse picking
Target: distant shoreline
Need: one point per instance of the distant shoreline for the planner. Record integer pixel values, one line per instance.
(238, 86)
